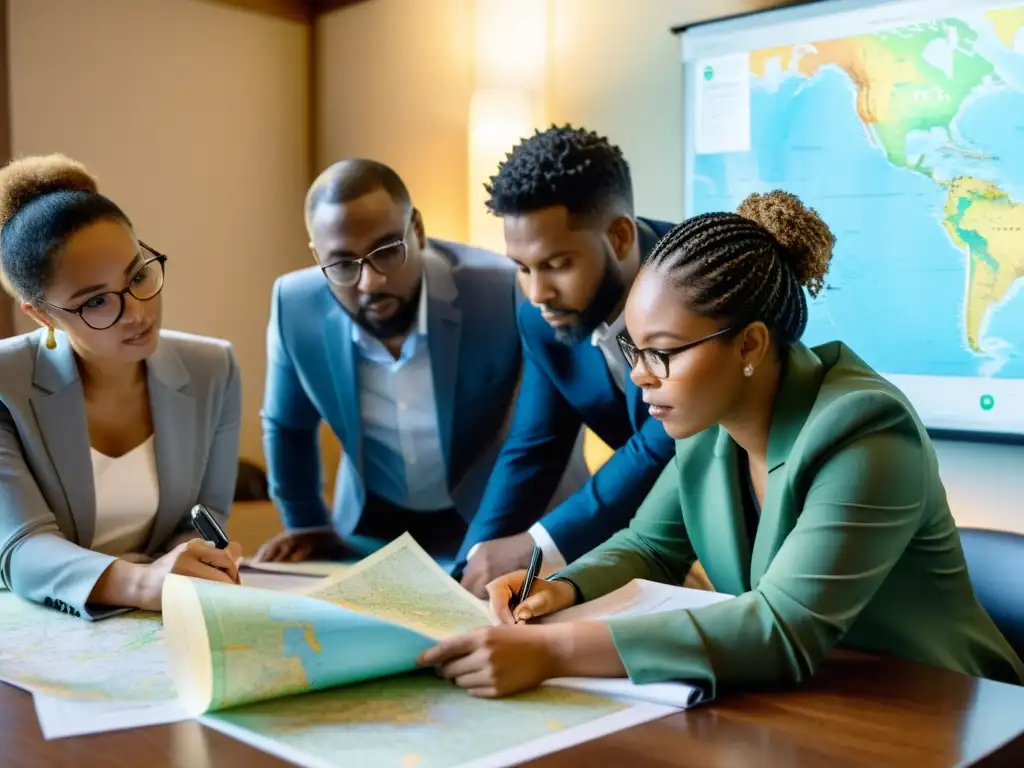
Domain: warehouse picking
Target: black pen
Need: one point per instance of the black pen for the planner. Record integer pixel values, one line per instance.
(208, 527)
(531, 574)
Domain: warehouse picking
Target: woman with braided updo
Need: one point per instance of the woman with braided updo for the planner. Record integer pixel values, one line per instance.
(803, 481)
(111, 429)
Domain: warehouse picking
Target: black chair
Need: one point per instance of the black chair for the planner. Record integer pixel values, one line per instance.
(995, 562)
(251, 484)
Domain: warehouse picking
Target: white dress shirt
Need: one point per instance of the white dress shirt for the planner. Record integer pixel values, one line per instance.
(403, 461)
(127, 497)
(604, 338)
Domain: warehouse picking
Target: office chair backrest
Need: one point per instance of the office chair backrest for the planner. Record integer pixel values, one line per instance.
(995, 562)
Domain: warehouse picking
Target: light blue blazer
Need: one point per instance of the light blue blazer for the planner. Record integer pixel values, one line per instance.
(313, 375)
(47, 496)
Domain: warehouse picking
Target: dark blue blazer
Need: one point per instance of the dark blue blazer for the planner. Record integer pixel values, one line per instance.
(563, 388)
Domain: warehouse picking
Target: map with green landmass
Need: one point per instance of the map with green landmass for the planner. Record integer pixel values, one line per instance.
(907, 140)
(412, 721)
(118, 659)
(370, 620)
(328, 677)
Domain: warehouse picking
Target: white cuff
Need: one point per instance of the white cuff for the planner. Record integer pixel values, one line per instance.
(553, 560)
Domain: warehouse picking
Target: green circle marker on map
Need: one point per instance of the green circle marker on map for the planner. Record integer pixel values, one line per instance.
(987, 402)
(709, 72)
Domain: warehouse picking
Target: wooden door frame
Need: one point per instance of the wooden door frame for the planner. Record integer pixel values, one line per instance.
(6, 300)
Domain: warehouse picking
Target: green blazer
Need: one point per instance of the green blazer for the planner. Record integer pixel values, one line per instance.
(855, 544)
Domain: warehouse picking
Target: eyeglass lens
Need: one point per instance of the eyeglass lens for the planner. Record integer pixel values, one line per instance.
(102, 311)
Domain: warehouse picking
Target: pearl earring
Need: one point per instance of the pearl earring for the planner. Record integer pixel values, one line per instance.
(748, 370)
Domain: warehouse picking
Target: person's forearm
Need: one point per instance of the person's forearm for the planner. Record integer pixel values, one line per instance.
(583, 649)
(120, 585)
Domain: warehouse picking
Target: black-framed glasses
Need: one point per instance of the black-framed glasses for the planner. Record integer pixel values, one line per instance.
(383, 259)
(103, 310)
(656, 361)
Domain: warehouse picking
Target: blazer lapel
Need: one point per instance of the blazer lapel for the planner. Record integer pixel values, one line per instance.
(341, 360)
(174, 433)
(60, 413)
(725, 546)
(444, 332)
(798, 390)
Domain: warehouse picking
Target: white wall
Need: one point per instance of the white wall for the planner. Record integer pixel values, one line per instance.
(195, 118)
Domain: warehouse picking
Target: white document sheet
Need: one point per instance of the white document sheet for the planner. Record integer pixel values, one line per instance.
(639, 597)
(278, 581)
(62, 718)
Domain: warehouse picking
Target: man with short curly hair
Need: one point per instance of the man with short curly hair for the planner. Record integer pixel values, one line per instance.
(566, 200)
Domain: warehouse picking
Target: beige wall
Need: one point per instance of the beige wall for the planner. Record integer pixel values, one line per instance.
(194, 116)
(394, 78)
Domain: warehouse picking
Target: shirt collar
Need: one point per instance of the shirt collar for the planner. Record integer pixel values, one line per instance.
(605, 332)
(364, 339)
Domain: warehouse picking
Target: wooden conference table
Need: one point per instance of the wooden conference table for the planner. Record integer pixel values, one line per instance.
(858, 710)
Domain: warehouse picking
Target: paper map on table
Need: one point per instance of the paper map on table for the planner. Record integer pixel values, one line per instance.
(419, 721)
(324, 676)
(232, 645)
(45, 651)
(349, 645)
(87, 676)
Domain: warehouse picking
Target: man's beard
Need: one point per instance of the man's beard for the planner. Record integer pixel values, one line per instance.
(609, 294)
(397, 324)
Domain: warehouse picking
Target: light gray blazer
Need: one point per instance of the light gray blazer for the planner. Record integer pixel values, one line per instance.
(47, 496)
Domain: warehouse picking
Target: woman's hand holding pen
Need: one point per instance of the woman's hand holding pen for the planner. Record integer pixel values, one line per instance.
(196, 558)
(139, 585)
(545, 597)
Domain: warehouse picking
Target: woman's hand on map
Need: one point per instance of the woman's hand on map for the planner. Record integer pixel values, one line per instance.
(495, 661)
(195, 558)
(545, 597)
(499, 661)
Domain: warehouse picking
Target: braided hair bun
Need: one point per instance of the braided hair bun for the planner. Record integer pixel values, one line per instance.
(806, 240)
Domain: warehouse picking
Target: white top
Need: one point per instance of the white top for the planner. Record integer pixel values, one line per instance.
(127, 497)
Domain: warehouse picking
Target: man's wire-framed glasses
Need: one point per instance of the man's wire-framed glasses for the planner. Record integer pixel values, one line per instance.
(383, 259)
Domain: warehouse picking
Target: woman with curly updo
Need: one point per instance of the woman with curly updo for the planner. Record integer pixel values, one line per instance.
(111, 429)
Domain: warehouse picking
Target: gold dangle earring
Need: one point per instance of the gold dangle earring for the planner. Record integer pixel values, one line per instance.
(51, 340)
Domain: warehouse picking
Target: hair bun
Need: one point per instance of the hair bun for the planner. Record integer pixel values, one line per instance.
(805, 238)
(25, 179)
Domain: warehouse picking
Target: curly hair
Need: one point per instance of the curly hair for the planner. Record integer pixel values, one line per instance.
(44, 200)
(561, 166)
(751, 265)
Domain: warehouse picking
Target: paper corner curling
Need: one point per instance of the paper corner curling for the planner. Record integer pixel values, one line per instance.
(188, 644)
